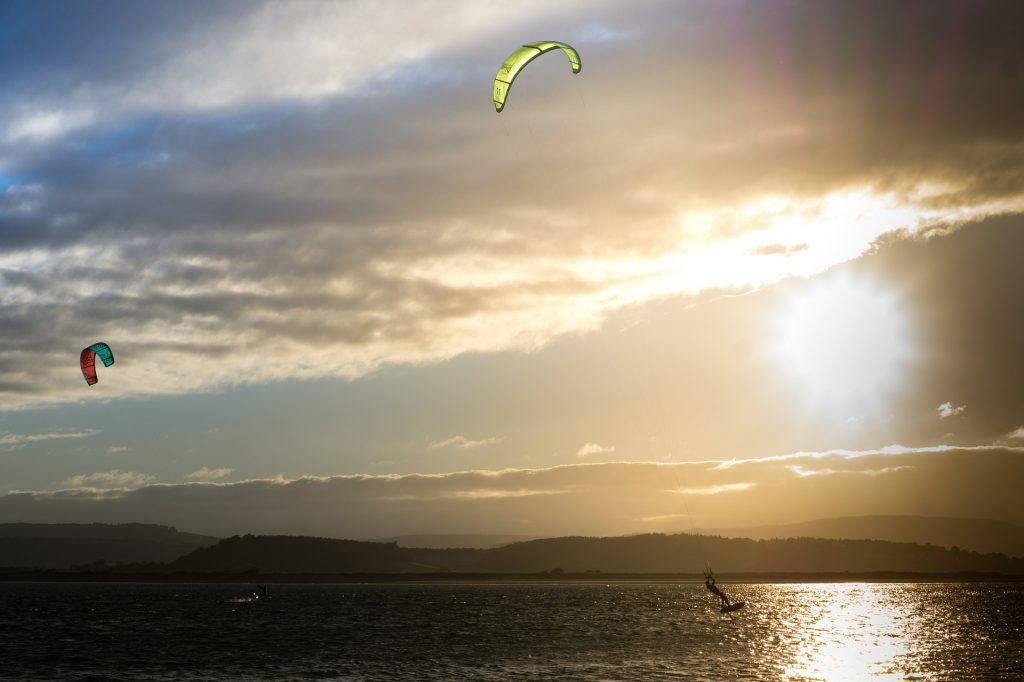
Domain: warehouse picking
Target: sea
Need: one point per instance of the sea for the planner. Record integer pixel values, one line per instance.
(513, 631)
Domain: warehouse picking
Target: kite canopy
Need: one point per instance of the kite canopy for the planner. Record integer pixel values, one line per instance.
(89, 360)
(523, 56)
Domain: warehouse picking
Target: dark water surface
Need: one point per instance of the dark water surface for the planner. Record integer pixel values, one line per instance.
(850, 631)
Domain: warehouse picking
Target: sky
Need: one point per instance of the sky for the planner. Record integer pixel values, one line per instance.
(757, 263)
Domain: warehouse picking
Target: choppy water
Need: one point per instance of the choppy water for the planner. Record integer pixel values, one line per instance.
(511, 632)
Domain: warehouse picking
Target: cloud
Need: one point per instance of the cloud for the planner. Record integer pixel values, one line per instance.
(801, 471)
(838, 453)
(1016, 434)
(594, 449)
(207, 474)
(11, 441)
(780, 249)
(948, 409)
(490, 494)
(463, 443)
(113, 478)
(589, 499)
(663, 517)
(319, 179)
(118, 449)
(716, 489)
(226, 58)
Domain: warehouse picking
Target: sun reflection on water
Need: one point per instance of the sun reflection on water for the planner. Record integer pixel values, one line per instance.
(851, 632)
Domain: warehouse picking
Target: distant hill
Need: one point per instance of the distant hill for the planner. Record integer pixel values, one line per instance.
(633, 554)
(441, 541)
(63, 545)
(979, 535)
(301, 554)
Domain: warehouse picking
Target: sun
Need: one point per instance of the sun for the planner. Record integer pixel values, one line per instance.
(844, 342)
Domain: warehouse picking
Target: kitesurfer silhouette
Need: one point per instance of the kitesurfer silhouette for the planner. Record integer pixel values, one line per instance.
(709, 582)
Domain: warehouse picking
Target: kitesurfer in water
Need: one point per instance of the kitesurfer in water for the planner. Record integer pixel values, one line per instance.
(709, 582)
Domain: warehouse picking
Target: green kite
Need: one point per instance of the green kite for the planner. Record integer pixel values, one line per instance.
(523, 56)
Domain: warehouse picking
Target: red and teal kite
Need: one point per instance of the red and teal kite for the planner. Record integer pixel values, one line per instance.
(89, 360)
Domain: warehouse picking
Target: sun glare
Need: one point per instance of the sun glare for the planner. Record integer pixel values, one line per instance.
(844, 342)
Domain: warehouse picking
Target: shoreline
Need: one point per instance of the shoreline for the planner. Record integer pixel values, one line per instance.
(500, 578)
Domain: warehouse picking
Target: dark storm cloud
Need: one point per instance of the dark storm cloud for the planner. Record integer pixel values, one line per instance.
(176, 190)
